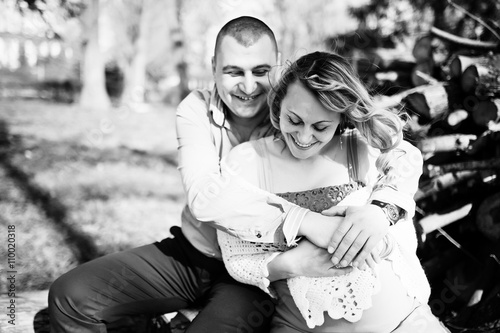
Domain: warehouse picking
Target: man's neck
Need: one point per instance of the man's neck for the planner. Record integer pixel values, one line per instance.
(242, 128)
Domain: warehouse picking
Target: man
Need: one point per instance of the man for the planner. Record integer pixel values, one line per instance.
(186, 270)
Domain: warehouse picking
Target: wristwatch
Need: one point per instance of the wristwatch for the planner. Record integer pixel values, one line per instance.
(392, 212)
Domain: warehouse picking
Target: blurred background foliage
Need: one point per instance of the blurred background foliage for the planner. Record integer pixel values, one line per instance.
(130, 52)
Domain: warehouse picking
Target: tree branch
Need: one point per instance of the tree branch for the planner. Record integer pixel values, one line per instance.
(464, 41)
(475, 18)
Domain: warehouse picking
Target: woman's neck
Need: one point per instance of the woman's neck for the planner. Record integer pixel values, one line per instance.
(290, 174)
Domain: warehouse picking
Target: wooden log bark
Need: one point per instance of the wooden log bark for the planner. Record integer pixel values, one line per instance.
(486, 111)
(452, 142)
(481, 80)
(488, 217)
(437, 170)
(437, 184)
(488, 142)
(426, 67)
(435, 221)
(459, 63)
(431, 102)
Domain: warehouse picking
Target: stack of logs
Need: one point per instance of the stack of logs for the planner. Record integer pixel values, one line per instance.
(455, 121)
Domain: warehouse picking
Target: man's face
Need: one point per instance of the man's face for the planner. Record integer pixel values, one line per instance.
(241, 75)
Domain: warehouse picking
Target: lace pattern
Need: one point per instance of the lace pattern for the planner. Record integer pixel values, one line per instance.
(345, 296)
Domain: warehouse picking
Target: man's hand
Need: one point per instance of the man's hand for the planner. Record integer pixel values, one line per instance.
(362, 228)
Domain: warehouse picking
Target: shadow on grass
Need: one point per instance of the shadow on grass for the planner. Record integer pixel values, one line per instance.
(170, 159)
(82, 246)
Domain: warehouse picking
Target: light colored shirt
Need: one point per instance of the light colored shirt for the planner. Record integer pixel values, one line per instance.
(227, 203)
(231, 204)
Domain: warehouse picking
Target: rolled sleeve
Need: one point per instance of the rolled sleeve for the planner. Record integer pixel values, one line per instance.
(406, 169)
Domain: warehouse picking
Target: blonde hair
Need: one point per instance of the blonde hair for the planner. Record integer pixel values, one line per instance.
(332, 80)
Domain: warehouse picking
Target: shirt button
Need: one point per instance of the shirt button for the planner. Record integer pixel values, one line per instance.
(258, 234)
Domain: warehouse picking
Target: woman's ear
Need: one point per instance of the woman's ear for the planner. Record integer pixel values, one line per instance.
(213, 66)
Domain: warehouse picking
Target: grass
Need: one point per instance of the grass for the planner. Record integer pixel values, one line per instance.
(78, 184)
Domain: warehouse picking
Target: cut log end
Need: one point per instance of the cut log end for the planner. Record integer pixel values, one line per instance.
(488, 217)
(469, 79)
(486, 111)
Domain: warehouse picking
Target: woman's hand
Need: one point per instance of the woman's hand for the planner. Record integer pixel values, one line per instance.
(319, 229)
(362, 228)
(304, 260)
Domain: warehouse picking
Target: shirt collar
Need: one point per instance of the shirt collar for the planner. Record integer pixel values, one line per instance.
(218, 112)
(217, 109)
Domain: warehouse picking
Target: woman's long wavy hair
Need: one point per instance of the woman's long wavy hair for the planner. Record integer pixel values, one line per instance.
(332, 80)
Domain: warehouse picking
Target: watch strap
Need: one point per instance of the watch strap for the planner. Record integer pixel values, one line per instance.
(392, 212)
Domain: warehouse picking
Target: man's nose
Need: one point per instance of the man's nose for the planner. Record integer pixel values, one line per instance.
(248, 85)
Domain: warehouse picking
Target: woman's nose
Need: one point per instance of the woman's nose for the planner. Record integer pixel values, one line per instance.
(305, 135)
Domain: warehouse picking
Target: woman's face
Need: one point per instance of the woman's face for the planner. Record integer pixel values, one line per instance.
(307, 126)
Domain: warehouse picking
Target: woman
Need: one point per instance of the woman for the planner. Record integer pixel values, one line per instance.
(316, 164)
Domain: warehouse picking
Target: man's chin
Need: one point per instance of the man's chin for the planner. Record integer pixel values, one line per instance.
(250, 111)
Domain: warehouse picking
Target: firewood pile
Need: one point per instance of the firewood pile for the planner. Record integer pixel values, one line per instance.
(454, 108)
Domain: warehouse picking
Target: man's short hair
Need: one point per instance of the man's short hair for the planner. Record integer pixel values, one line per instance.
(246, 30)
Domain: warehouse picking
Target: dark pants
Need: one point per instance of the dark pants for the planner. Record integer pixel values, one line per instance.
(154, 279)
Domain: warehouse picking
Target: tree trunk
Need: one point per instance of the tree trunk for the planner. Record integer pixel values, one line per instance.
(135, 74)
(94, 95)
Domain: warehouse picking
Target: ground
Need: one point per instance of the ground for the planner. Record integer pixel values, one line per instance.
(77, 184)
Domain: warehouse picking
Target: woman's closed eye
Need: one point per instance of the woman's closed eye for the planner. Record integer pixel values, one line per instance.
(299, 122)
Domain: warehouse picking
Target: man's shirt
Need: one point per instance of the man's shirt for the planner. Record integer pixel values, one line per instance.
(228, 203)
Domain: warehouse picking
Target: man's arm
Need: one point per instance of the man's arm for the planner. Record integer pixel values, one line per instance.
(215, 194)
(363, 227)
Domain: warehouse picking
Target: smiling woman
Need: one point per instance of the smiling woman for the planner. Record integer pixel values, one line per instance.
(307, 165)
(306, 125)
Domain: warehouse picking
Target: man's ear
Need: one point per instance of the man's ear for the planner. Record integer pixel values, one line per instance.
(213, 66)
(278, 59)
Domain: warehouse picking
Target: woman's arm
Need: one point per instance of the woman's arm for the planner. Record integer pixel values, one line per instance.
(259, 264)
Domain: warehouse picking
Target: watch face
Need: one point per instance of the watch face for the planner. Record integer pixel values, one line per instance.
(392, 212)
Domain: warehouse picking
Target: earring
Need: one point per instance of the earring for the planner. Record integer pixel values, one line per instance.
(340, 141)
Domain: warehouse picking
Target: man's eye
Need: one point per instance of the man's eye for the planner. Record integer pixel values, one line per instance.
(262, 72)
(235, 73)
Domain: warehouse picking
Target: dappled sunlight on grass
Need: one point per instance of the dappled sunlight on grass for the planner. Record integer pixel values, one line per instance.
(41, 253)
(85, 181)
(119, 224)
